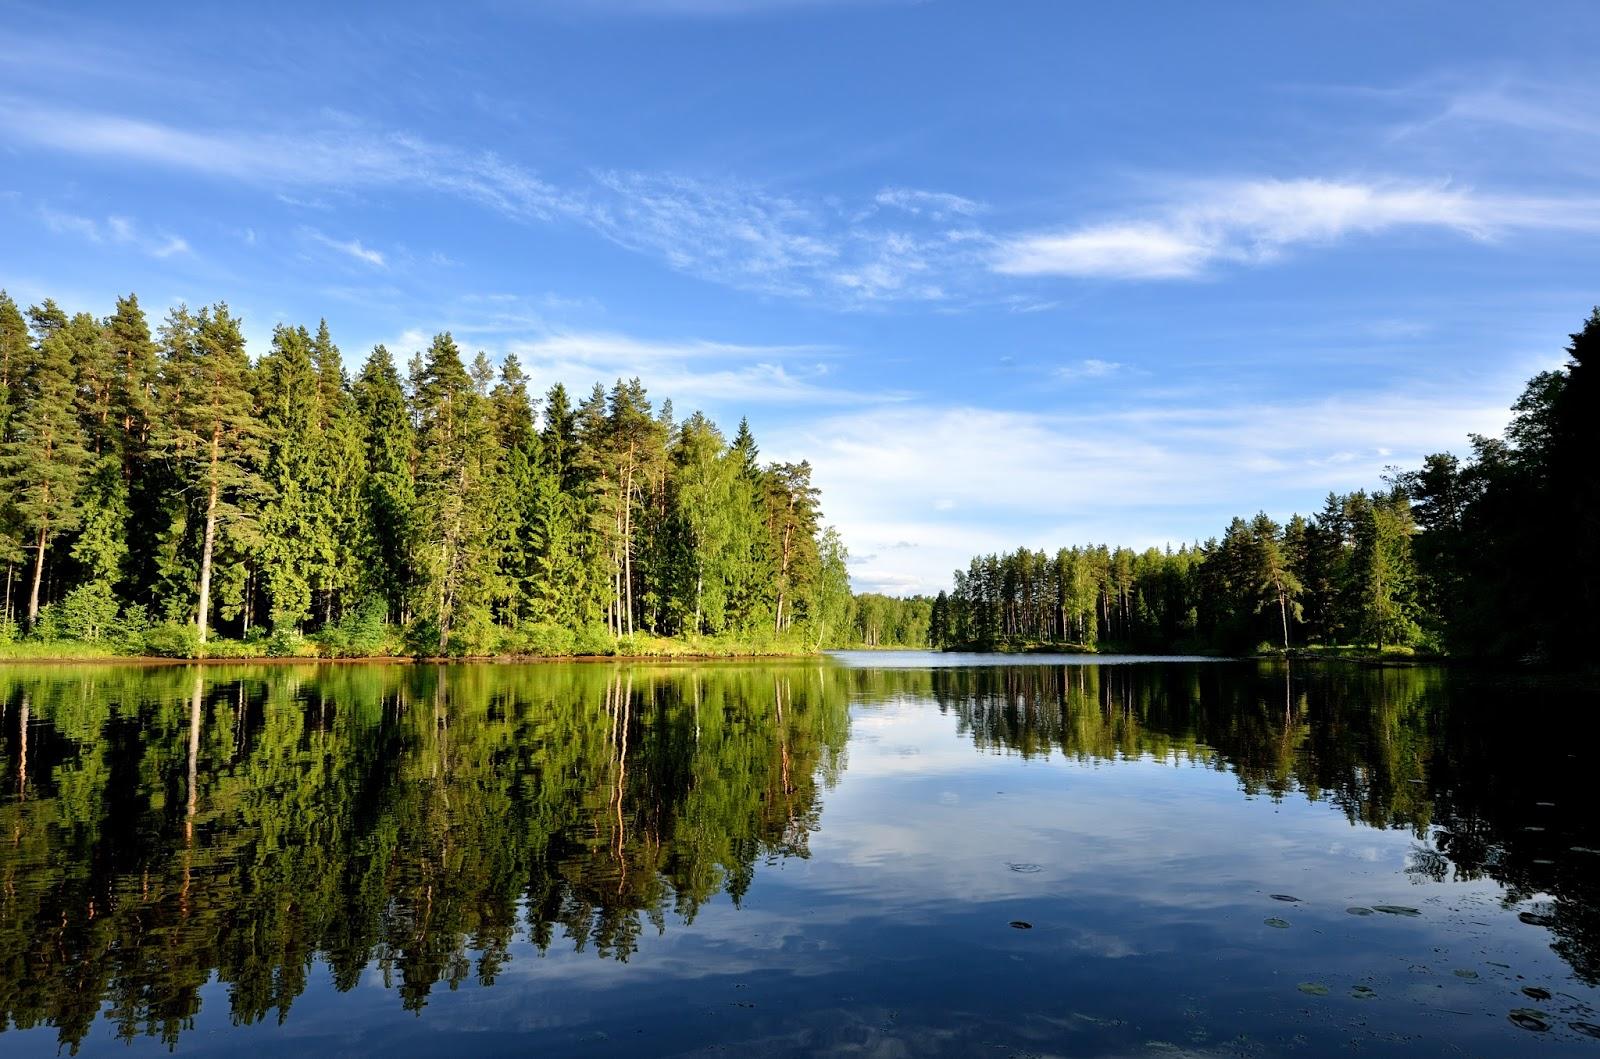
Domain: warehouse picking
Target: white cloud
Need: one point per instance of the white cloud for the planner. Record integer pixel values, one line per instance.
(170, 246)
(1255, 221)
(1118, 251)
(352, 248)
(960, 480)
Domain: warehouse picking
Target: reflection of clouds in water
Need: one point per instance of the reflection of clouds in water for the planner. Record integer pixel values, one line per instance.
(1369, 853)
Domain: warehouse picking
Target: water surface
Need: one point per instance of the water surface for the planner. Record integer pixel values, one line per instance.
(885, 853)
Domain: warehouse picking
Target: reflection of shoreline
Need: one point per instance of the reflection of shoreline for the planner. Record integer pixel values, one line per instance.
(418, 819)
(390, 817)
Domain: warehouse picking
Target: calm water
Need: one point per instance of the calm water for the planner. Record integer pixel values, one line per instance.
(882, 854)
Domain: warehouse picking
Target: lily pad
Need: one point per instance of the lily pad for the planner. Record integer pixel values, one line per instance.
(1285, 897)
(1023, 867)
(1021, 924)
(1313, 988)
(1587, 1028)
(1397, 910)
(1462, 972)
(1529, 1019)
(1535, 993)
(1274, 921)
(1536, 919)
(1359, 910)
(1363, 992)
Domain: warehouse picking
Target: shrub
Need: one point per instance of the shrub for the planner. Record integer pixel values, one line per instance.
(173, 639)
(225, 648)
(88, 612)
(547, 639)
(594, 640)
(285, 643)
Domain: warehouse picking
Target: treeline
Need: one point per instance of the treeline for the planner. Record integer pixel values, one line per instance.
(877, 620)
(1495, 556)
(157, 489)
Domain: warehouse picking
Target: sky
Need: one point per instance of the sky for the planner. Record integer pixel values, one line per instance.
(1006, 273)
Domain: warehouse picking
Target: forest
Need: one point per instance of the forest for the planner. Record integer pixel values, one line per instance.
(165, 492)
(1495, 556)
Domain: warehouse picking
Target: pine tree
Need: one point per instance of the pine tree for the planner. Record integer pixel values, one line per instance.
(791, 529)
(210, 431)
(15, 354)
(42, 464)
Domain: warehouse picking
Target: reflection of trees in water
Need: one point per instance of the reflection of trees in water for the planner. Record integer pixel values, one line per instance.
(1484, 772)
(163, 825)
(246, 821)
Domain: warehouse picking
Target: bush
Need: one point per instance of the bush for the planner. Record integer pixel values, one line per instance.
(547, 640)
(173, 640)
(225, 648)
(128, 632)
(88, 612)
(286, 643)
(361, 632)
(594, 640)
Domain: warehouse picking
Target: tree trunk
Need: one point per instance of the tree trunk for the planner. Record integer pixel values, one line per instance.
(1283, 615)
(699, 587)
(38, 576)
(202, 620)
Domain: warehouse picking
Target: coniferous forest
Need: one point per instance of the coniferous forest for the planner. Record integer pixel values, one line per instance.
(162, 491)
(1495, 556)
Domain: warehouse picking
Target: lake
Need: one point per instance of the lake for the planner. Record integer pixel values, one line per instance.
(893, 854)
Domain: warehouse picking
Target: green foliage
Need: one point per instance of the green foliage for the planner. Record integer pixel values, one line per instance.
(173, 640)
(281, 504)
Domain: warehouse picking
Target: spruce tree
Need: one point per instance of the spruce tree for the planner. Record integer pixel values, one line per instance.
(388, 487)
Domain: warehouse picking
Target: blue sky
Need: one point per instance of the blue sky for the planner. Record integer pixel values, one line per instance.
(1007, 273)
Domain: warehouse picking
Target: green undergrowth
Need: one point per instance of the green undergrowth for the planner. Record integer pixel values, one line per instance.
(360, 637)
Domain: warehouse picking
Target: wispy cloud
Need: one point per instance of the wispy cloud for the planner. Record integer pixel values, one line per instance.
(737, 234)
(338, 154)
(935, 204)
(1250, 222)
(351, 248)
(904, 244)
(694, 373)
(1090, 368)
(113, 230)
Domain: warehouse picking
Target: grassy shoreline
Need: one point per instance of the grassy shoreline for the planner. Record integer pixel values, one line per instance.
(634, 648)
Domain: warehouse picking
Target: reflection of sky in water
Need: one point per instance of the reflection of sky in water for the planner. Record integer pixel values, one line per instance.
(1148, 933)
